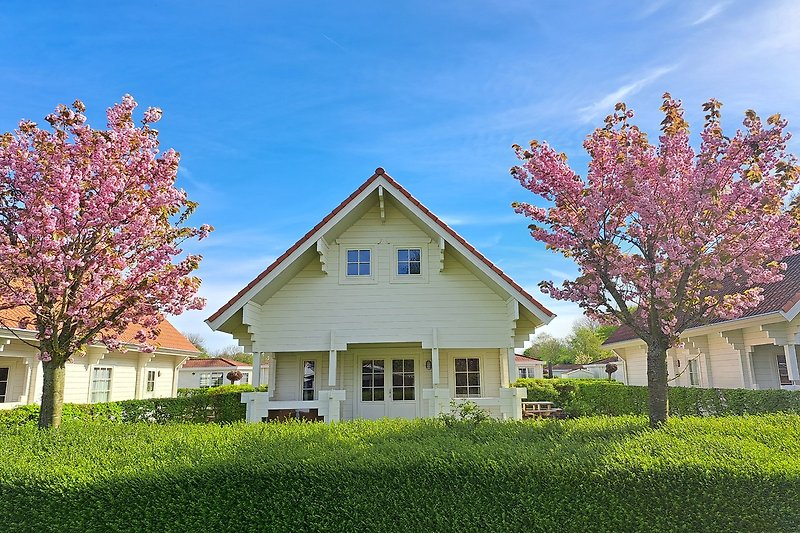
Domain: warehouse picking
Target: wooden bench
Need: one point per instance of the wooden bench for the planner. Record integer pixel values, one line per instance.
(539, 410)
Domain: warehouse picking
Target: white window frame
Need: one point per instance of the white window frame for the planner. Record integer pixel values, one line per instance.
(148, 382)
(422, 277)
(92, 380)
(245, 378)
(8, 374)
(344, 247)
(524, 370)
(694, 372)
(211, 374)
(468, 372)
(303, 388)
(785, 365)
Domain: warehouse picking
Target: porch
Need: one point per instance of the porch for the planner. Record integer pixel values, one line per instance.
(392, 380)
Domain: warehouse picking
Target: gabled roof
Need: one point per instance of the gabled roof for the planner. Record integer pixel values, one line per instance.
(523, 360)
(168, 337)
(380, 177)
(215, 362)
(612, 359)
(779, 297)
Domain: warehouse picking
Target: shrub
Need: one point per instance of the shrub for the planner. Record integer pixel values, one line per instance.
(582, 397)
(464, 412)
(221, 405)
(592, 474)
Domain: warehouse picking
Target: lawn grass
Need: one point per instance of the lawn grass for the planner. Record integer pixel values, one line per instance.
(589, 474)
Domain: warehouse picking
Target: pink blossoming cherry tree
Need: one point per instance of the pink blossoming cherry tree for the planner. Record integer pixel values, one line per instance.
(91, 225)
(667, 237)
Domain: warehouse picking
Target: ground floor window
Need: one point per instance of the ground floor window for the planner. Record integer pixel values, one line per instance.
(309, 379)
(403, 379)
(210, 379)
(783, 371)
(3, 383)
(101, 385)
(372, 372)
(694, 372)
(151, 380)
(468, 377)
(245, 378)
(525, 372)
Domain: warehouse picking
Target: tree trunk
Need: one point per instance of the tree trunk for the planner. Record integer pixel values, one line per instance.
(657, 399)
(52, 394)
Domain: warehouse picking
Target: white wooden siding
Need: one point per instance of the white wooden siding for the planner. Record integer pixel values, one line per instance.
(288, 367)
(301, 314)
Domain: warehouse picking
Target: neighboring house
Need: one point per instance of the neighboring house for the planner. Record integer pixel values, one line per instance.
(382, 310)
(558, 370)
(593, 370)
(756, 351)
(529, 367)
(99, 376)
(598, 368)
(212, 372)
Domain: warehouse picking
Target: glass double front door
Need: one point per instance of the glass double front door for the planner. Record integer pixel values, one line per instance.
(388, 388)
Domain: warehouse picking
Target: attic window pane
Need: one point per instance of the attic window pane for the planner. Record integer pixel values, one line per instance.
(358, 263)
(408, 261)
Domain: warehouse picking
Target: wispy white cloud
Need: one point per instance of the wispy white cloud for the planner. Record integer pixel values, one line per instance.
(334, 42)
(651, 8)
(606, 103)
(560, 274)
(712, 12)
(482, 220)
(186, 175)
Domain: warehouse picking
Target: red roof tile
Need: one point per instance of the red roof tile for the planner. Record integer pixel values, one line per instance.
(778, 296)
(214, 362)
(379, 172)
(169, 337)
(522, 360)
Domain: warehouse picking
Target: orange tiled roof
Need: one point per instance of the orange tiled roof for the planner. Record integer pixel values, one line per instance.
(169, 337)
(213, 362)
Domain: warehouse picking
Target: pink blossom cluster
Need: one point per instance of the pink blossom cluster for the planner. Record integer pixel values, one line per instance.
(91, 228)
(666, 236)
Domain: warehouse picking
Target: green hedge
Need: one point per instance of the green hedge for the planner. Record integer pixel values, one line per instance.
(219, 404)
(591, 474)
(602, 397)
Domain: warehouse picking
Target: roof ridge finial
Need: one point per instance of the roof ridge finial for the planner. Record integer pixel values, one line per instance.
(379, 171)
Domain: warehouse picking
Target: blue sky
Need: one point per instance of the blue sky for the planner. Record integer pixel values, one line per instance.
(280, 110)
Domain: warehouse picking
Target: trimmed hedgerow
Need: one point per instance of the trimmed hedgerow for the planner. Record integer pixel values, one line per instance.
(222, 405)
(590, 474)
(601, 397)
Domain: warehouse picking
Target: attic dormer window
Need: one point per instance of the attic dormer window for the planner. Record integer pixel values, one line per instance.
(359, 263)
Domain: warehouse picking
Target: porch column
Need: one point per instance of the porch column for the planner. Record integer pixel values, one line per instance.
(791, 363)
(256, 377)
(33, 366)
(332, 368)
(435, 358)
(140, 364)
(511, 367)
(175, 374)
(751, 368)
(24, 397)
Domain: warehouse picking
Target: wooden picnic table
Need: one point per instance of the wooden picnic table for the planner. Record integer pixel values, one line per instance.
(539, 409)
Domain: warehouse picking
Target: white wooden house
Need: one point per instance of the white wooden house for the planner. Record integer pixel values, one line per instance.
(382, 310)
(755, 351)
(99, 376)
(201, 373)
(529, 367)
